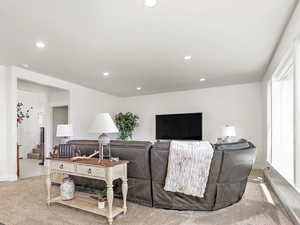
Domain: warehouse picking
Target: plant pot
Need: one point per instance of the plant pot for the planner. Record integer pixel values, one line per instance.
(101, 203)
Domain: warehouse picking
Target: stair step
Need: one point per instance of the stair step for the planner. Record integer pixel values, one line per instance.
(37, 150)
(34, 156)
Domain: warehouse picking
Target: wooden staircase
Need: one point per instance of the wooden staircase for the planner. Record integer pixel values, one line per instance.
(36, 153)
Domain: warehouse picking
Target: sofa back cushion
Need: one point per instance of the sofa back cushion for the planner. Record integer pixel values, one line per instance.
(139, 174)
(163, 199)
(86, 147)
(226, 184)
(237, 163)
(137, 153)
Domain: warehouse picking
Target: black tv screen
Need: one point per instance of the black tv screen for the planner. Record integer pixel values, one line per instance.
(179, 126)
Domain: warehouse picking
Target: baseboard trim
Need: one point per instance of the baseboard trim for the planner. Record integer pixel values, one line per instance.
(287, 194)
(10, 178)
(259, 165)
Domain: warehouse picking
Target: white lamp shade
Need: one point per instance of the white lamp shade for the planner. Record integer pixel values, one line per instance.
(103, 123)
(64, 130)
(229, 131)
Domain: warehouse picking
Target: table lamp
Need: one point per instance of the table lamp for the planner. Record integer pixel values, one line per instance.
(228, 132)
(64, 131)
(102, 125)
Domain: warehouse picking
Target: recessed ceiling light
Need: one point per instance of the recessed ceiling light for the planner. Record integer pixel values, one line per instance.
(202, 79)
(188, 57)
(106, 74)
(40, 44)
(138, 88)
(150, 3)
(25, 65)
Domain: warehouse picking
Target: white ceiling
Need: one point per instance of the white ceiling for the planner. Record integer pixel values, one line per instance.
(23, 85)
(230, 41)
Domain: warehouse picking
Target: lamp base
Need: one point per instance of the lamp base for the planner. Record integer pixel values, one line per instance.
(228, 139)
(64, 140)
(103, 140)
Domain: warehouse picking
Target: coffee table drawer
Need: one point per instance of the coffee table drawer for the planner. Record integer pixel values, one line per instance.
(91, 171)
(63, 166)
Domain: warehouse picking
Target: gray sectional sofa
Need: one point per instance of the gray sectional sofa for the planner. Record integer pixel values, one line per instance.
(226, 183)
(147, 170)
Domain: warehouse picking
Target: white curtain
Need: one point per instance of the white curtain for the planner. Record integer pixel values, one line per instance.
(282, 154)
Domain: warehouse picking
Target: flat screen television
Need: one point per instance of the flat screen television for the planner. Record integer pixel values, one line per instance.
(179, 126)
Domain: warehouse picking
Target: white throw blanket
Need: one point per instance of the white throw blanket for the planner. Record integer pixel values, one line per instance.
(188, 167)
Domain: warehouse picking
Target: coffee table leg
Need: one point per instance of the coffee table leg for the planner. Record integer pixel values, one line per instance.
(48, 184)
(110, 195)
(124, 188)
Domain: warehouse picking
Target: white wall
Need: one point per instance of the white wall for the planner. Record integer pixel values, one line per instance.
(3, 124)
(29, 129)
(238, 105)
(42, 99)
(8, 143)
(286, 43)
(59, 116)
(58, 98)
(284, 52)
(84, 105)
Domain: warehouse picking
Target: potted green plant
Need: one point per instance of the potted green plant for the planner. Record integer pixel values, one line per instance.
(101, 198)
(126, 123)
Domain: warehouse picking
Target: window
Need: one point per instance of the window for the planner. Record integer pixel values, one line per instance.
(282, 123)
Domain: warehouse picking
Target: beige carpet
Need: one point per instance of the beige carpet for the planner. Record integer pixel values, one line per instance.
(24, 203)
